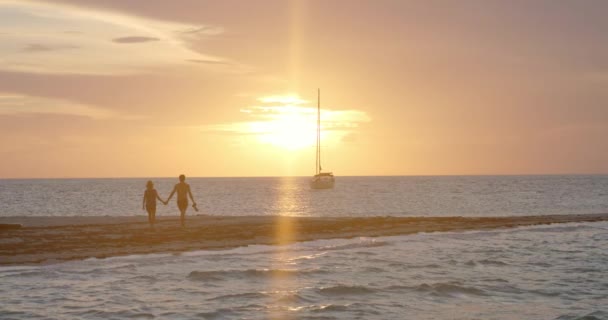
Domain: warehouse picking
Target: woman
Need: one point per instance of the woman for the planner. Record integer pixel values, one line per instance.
(149, 202)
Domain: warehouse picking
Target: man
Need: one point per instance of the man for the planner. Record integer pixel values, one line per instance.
(183, 191)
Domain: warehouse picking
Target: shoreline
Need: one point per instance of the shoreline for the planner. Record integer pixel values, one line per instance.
(44, 240)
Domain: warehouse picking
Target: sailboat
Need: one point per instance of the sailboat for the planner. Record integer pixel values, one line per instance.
(321, 180)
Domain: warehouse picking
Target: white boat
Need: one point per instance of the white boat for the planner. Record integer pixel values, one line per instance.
(321, 180)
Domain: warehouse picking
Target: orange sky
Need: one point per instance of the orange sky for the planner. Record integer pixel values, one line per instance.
(112, 88)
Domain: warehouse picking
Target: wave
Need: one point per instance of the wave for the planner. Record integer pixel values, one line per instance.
(144, 278)
(406, 265)
(331, 307)
(207, 275)
(443, 289)
(596, 315)
(110, 268)
(486, 262)
(217, 314)
(218, 275)
(312, 248)
(123, 314)
(373, 270)
(545, 293)
(293, 298)
(341, 290)
(358, 307)
(361, 244)
(572, 226)
(449, 289)
(245, 295)
(283, 298)
(22, 274)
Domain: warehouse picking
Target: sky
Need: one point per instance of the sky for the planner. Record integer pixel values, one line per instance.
(154, 88)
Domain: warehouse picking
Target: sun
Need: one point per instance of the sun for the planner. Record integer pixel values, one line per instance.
(289, 127)
(290, 123)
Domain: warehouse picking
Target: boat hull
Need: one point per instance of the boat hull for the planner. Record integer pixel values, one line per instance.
(322, 183)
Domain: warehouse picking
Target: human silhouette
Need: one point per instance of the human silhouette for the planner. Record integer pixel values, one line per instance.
(149, 202)
(183, 191)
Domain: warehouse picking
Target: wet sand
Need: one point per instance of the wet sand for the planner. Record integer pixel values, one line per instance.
(57, 239)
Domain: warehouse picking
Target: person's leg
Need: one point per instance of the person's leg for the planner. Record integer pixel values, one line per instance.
(183, 206)
(151, 212)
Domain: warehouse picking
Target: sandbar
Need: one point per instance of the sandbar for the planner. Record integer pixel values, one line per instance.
(45, 240)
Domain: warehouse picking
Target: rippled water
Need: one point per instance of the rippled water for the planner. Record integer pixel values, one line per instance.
(352, 196)
(541, 272)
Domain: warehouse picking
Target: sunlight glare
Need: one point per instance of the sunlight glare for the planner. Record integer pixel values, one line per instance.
(288, 126)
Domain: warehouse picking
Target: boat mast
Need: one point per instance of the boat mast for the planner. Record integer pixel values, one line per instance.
(318, 168)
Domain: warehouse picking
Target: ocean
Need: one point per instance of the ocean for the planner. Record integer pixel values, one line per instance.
(537, 272)
(352, 196)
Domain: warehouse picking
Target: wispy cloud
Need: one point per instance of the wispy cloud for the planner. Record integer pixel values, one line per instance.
(283, 99)
(203, 31)
(33, 27)
(135, 39)
(37, 47)
(15, 104)
(331, 119)
(288, 121)
(201, 61)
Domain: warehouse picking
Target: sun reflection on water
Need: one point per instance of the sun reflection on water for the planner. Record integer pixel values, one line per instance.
(285, 233)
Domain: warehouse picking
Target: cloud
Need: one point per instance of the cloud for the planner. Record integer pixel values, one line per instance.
(350, 137)
(37, 47)
(332, 120)
(201, 61)
(286, 120)
(134, 39)
(283, 99)
(203, 31)
(17, 104)
(34, 27)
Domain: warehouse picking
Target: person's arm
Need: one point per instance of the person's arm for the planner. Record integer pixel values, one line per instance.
(190, 194)
(172, 193)
(143, 203)
(159, 199)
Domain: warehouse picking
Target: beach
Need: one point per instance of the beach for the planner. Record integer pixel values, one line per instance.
(43, 240)
(488, 247)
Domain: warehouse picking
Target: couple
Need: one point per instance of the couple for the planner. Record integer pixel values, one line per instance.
(183, 191)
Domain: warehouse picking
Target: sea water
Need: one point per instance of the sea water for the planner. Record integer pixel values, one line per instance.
(539, 272)
(352, 196)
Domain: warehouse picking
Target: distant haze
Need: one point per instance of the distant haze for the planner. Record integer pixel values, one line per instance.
(113, 88)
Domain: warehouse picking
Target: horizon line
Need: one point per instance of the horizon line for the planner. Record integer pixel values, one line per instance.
(300, 176)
